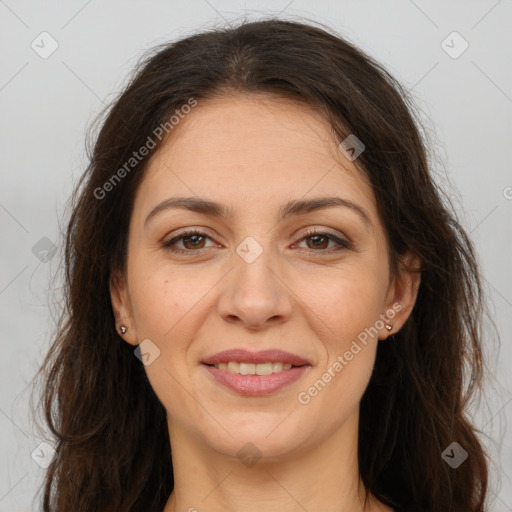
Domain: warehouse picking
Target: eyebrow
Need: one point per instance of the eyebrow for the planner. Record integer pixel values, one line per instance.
(292, 208)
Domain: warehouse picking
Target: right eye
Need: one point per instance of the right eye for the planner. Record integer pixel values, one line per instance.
(193, 237)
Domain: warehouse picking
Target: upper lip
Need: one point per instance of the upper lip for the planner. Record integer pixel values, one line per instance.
(241, 355)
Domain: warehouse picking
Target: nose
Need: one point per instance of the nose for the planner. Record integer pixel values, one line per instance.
(256, 294)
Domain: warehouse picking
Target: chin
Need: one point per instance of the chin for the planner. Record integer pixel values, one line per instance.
(253, 436)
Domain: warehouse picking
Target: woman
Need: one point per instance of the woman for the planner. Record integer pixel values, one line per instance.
(269, 302)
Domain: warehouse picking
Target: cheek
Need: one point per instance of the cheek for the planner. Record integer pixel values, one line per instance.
(344, 320)
(346, 307)
(346, 302)
(164, 299)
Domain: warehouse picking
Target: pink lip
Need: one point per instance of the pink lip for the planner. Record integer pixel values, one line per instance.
(256, 384)
(241, 355)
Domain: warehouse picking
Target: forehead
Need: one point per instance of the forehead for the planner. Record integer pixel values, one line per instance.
(250, 152)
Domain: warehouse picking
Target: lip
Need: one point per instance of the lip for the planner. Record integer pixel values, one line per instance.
(256, 384)
(241, 355)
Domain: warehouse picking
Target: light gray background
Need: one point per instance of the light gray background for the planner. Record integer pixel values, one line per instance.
(46, 105)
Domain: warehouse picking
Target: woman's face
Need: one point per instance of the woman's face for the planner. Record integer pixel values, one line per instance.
(255, 280)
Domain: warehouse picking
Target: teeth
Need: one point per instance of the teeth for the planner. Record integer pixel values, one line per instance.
(277, 367)
(253, 369)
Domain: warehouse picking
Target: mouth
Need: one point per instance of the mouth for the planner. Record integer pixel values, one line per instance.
(246, 357)
(255, 373)
(267, 368)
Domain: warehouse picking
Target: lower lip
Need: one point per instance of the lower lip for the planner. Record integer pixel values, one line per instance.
(257, 384)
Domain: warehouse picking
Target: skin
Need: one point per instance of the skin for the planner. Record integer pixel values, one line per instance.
(254, 154)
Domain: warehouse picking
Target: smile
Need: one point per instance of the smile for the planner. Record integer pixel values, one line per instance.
(253, 369)
(272, 377)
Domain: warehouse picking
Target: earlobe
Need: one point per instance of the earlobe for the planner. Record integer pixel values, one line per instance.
(403, 293)
(119, 297)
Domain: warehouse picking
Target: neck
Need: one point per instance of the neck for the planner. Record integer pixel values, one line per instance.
(322, 477)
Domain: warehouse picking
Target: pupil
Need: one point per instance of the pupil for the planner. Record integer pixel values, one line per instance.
(317, 237)
(194, 238)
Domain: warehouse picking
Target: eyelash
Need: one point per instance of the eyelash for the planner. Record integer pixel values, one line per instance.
(344, 244)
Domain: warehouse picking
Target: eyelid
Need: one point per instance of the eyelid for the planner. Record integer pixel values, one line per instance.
(342, 241)
(187, 232)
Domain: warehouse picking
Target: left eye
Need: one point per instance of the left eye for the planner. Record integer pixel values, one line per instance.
(187, 235)
(194, 240)
(320, 235)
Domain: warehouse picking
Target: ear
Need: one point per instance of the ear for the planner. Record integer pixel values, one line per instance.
(121, 305)
(402, 293)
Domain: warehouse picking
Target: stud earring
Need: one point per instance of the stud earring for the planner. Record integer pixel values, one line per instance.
(388, 327)
(123, 329)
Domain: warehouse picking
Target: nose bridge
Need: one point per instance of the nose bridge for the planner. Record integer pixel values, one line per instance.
(255, 265)
(255, 292)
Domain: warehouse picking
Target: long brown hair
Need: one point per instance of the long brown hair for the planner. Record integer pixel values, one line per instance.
(111, 437)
